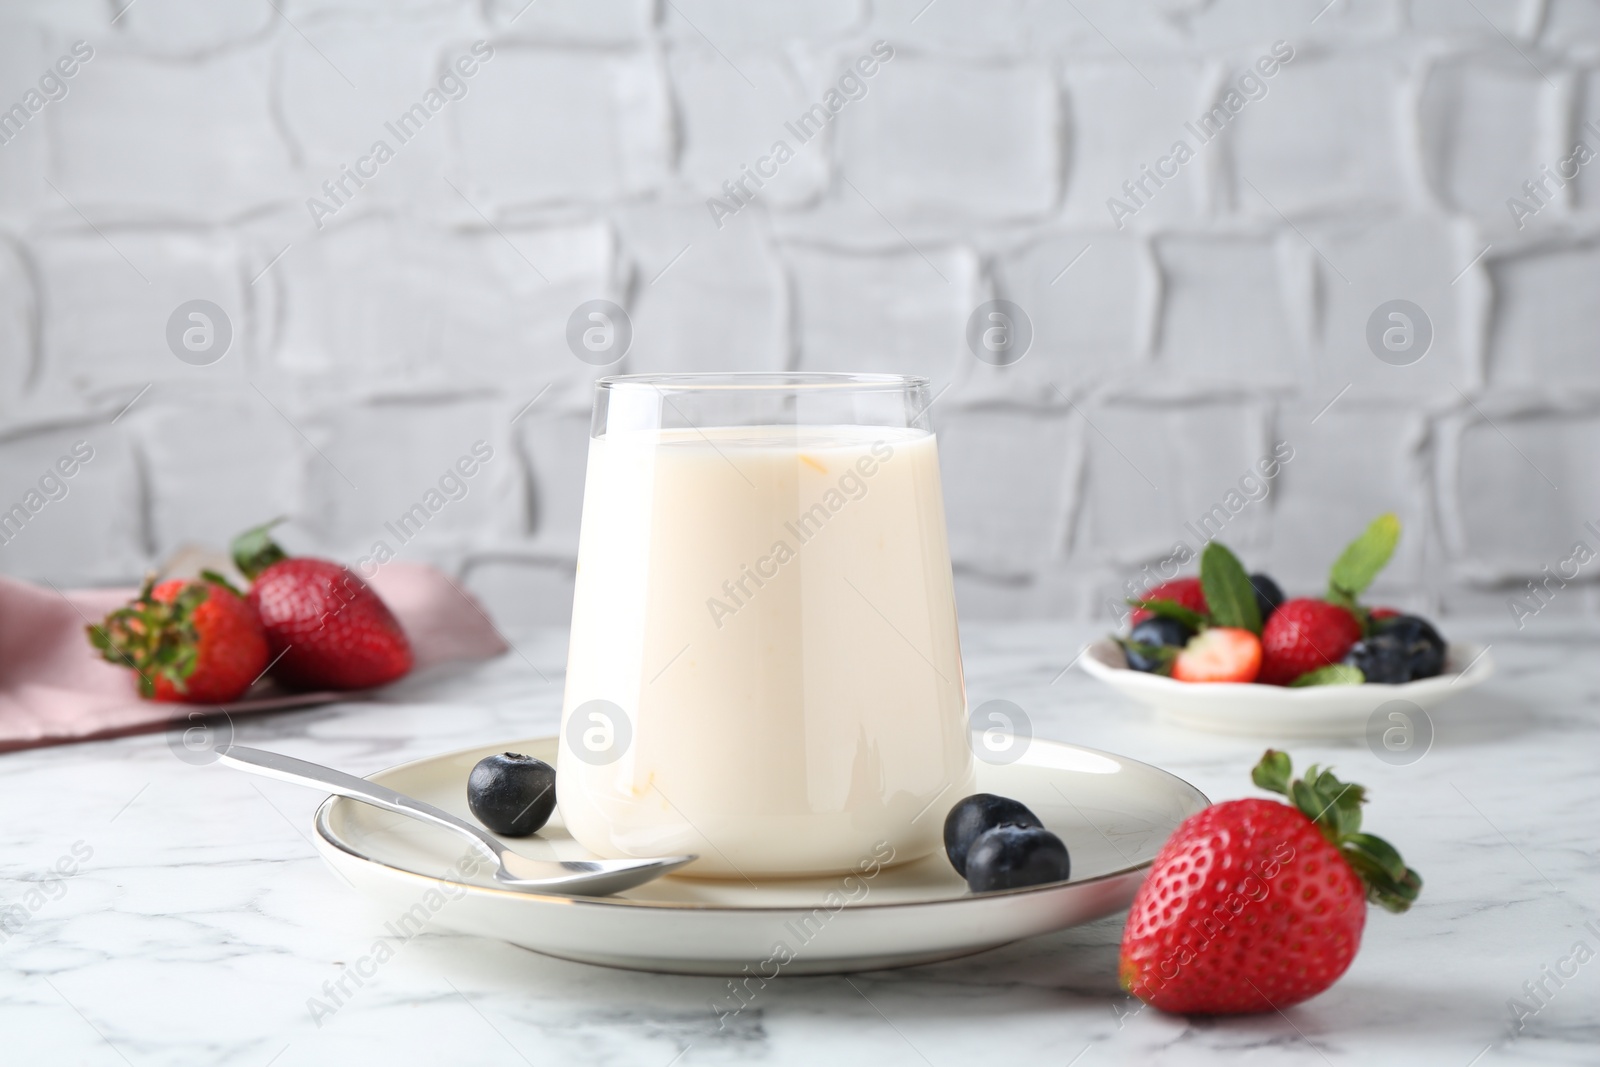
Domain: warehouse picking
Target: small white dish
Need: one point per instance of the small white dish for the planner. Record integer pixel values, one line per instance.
(1113, 813)
(1275, 711)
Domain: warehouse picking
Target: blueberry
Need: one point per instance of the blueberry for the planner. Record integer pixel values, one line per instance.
(1158, 631)
(1010, 857)
(1382, 658)
(976, 815)
(1424, 648)
(1402, 648)
(512, 794)
(1268, 595)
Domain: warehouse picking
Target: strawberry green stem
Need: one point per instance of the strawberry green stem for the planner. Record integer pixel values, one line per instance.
(157, 639)
(1335, 808)
(255, 550)
(221, 579)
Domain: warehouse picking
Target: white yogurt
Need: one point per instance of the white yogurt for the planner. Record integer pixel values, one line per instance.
(771, 610)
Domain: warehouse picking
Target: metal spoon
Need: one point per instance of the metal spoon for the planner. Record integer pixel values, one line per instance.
(594, 878)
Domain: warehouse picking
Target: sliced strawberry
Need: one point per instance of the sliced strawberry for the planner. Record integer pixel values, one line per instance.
(1219, 654)
(1183, 591)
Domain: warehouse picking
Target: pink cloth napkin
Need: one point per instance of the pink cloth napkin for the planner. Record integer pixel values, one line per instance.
(55, 689)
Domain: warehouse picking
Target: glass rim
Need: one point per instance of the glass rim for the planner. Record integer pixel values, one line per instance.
(765, 381)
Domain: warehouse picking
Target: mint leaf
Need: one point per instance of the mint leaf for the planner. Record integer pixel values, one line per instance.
(1171, 609)
(1332, 674)
(1363, 559)
(1348, 602)
(1162, 654)
(1229, 594)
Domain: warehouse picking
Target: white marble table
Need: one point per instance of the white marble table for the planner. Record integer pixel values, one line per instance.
(201, 921)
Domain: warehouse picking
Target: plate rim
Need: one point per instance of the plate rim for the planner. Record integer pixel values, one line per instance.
(326, 839)
(1477, 670)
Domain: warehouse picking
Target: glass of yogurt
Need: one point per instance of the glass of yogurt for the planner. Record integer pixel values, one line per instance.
(764, 667)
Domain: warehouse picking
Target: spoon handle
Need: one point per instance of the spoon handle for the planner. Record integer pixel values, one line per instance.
(288, 769)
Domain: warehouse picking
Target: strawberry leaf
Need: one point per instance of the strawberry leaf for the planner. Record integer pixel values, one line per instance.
(1335, 808)
(158, 639)
(1362, 560)
(1398, 895)
(1314, 807)
(1272, 773)
(1392, 892)
(221, 579)
(1339, 802)
(255, 550)
(1229, 594)
(1379, 852)
(1332, 674)
(1171, 609)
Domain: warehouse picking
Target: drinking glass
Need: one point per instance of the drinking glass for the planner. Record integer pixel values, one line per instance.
(764, 666)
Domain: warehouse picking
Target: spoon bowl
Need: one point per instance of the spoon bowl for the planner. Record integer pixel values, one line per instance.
(590, 878)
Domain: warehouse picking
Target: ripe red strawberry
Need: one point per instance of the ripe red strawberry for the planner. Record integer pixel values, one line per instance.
(1384, 613)
(331, 630)
(1183, 591)
(1254, 905)
(1303, 635)
(1219, 654)
(193, 641)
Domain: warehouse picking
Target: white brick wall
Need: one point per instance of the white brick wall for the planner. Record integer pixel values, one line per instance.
(1169, 354)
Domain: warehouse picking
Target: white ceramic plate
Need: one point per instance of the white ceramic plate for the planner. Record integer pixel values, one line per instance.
(1113, 813)
(1275, 711)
